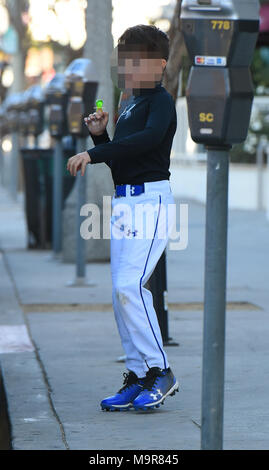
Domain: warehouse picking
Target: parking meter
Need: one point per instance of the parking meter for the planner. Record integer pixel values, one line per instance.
(3, 121)
(2, 134)
(12, 117)
(220, 36)
(81, 81)
(56, 97)
(23, 114)
(35, 101)
(12, 111)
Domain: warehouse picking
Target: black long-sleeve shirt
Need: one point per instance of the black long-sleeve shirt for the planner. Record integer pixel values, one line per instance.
(140, 149)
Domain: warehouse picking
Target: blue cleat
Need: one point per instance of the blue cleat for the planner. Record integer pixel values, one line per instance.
(158, 384)
(122, 400)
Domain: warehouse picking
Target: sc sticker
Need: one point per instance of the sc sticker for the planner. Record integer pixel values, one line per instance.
(206, 117)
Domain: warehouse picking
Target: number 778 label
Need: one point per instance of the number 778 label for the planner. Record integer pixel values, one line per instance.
(221, 24)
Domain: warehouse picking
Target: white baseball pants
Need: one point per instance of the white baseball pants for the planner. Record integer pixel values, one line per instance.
(140, 229)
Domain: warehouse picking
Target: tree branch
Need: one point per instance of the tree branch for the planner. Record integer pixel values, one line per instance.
(177, 48)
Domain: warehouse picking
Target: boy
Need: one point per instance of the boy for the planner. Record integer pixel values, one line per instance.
(139, 159)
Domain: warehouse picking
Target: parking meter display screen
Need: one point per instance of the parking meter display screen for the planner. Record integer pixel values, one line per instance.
(56, 120)
(81, 78)
(78, 87)
(75, 111)
(35, 122)
(220, 37)
(225, 29)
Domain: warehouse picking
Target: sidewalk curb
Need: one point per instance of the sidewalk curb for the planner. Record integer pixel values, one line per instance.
(34, 424)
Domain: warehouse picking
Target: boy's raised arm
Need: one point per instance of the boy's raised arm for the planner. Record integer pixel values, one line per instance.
(101, 139)
(161, 112)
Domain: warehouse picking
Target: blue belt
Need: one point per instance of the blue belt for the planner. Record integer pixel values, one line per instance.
(135, 189)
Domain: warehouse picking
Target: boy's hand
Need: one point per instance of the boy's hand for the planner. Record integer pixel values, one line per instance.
(97, 122)
(78, 162)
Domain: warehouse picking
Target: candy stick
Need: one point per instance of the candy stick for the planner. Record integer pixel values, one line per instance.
(99, 105)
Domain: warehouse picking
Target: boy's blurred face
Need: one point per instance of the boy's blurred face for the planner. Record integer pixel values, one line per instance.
(138, 69)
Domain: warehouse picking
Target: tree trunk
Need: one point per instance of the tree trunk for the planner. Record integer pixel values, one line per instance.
(18, 64)
(98, 48)
(15, 9)
(177, 47)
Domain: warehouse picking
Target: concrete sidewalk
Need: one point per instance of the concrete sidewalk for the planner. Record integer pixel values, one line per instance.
(59, 344)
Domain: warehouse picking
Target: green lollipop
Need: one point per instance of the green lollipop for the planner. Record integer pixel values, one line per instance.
(99, 105)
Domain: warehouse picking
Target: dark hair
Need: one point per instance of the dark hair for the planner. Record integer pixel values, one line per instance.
(147, 38)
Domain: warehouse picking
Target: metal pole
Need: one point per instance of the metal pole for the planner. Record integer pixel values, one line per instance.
(259, 165)
(1, 163)
(57, 197)
(215, 299)
(81, 199)
(267, 179)
(42, 201)
(14, 171)
(158, 287)
(80, 183)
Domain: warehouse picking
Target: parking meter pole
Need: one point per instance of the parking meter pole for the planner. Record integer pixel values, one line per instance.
(214, 299)
(57, 197)
(14, 166)
(81, 199)
(1, 164)
(259, 165)
(56, 99)
(158, 287)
